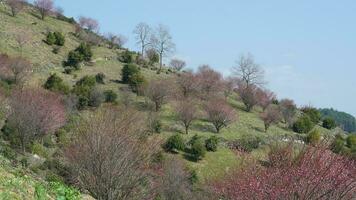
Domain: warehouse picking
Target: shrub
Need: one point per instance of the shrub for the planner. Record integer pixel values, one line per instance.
(303, 125)
(211, 144)
(56, 49)
(59, 38)
(313, 114)
(338, 144)
(351, 141)
(55, 83)
(24, 162)
(132, 75)
(74, 59)
(313, 137)
(126, 57)
(110, 96)
(8, 152)
(96, 98)
(329, 123)
(100, 78)
(198, 149)
(175, 143)
(156, 125)
(246, 144)
(39, 149)
(51, 38)
(85, 50)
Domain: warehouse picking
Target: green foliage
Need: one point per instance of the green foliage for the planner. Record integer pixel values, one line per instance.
(313, 114)
(329, 123)
(211, 144)
(313, 137)
(338, 144)
(56, 84)
(246, 143)
(85, 50)
(174, 143)
(110, 96)
(40, 192)
(63, 192)
(126, 57)
(303, 125)
(59, 38)
(7, 152)
(198, 149)
(100, 78)
(96, 98)
(80, 54)
(84, 90)
(39, 149)
(132, 75)
(345, 120)
(156, 125)
(351, 141)
(51, 38)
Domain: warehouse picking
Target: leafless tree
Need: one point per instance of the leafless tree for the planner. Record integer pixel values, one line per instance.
(158, 91)
(220, 114)
(89, 23)
(271, 115)
(35, 112)
(16, 6)
(288, 110)
(186, 112)
(178, 64)
(162, 42)
(248, 71)
(143, 35)
(152, 56)
(44, 7)
(22, 39)
(20, 69)
(248, 95)
(265, 97)
(116, 40)
(210, 82)
(230, 84)
(186, 84)
(110, 154)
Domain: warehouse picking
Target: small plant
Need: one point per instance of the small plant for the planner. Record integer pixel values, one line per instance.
(211, 144)
(100, 78)
(60, 39)
(174, 143)
(313, 137)
(51, 38)
(56, 84)
(110, 96)
(132, 75)
(39, 149)
(303, 125)
(40, 192)
(329, 123)
(198, 149)
(351, 141)
(126, 57)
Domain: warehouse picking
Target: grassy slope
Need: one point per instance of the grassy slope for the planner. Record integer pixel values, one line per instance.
(45, 62)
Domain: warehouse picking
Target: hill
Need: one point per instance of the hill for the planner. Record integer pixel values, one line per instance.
(346, 121)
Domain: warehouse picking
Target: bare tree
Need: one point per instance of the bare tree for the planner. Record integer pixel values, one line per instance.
(116, 40)
(187, 84)
(20, 69)
(271, 115)
(143, 35)
(248, 95)
(89, 23)
(158, 92)
(35, 112)
(110, 154)
(288, 110)
(230, 84)
(16, 6)
(22, 39)
(248, 71)
(177, 64)
(152, 56)
(220, 114)
(265, 98)
(210, 82)
(162, 42)
(44, 7)
(186, 112)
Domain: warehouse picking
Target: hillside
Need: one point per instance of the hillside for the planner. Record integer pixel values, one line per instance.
(49, 174)
(344, 120)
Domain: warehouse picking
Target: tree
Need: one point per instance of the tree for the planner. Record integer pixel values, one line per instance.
(15, 70)
(265, 98)
(210, 84)
(16, 6)
(152, 56)
(55, 83)
(303, 124)
(271, 116)
(248, 95)
(22, 39)
(317, 173)
(230, 84)
(177, 64)
(162, 42)
(34, 113)
(313, 113)
(248, 71)
(116, 40)
(89, 23)
(329, 123)
(109, 154)
(288, 111)
(131, 75)
(44, 7)
(143, 35)
(158, 92)
(186, 84)
(186, 113)
(219, 113)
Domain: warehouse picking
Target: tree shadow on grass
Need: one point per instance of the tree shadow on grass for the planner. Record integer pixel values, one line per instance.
(203, 128)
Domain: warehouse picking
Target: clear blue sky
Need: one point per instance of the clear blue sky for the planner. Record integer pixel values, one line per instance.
(307, 48)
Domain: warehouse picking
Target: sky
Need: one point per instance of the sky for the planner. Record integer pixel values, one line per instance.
(307, 48)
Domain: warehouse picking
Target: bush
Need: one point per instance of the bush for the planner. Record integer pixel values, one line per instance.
(100, 78)
(174, 143)
(211, 144)
(59, 38)
(246, 144)
(329, 123)
(303, 125)
(74, 60)
(39, 149)
(110, 96)
(312, 113)
(132, 75)
(56, 49)
(313, 137)
(338, 144)
(198, 149)
(51, 38)
(24, 162)
(126, 57)
(351, 141)
(85, 50)
(8, 152)
(156, 126)
(55, 83)
(96, 98)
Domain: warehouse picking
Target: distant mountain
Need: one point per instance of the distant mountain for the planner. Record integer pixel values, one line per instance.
(344, 120)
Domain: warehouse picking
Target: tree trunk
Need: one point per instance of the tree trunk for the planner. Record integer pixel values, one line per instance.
(160, 62)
